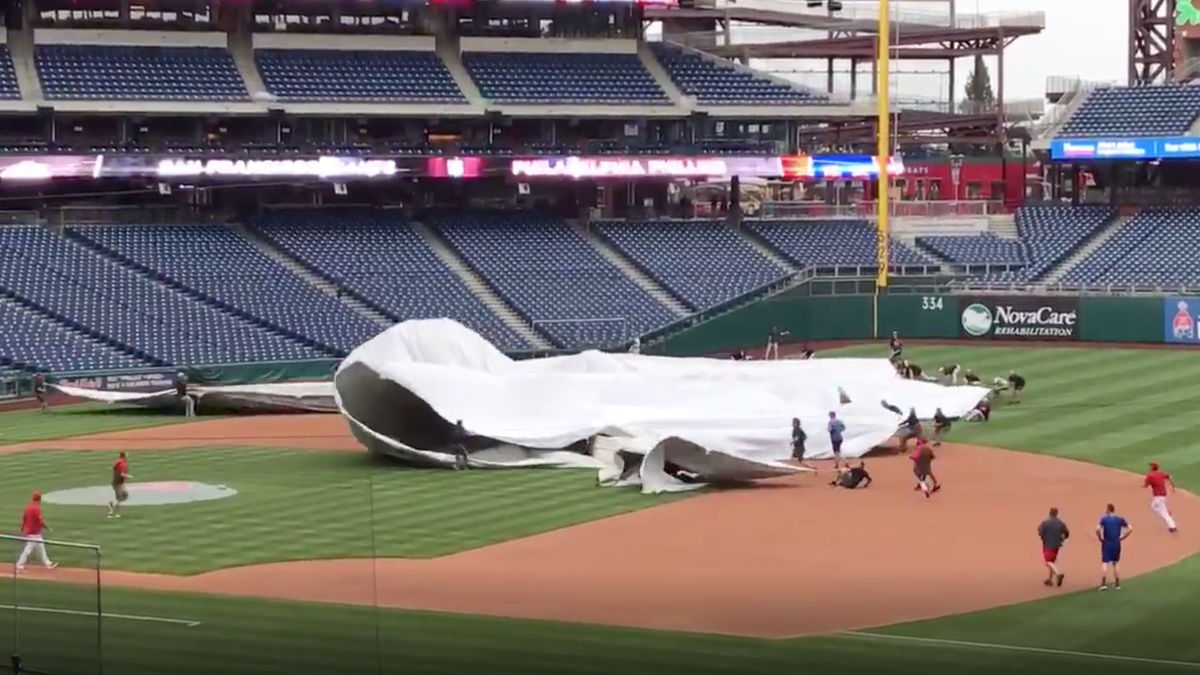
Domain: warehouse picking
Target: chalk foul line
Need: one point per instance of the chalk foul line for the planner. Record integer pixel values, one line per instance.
(966, 644)
(123, 617)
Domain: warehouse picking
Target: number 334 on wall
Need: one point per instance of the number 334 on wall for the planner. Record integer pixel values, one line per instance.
(931, 303)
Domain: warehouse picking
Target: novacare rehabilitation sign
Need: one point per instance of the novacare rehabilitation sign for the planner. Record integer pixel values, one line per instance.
(1006, 317)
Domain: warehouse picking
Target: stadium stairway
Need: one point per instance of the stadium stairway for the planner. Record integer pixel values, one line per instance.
(197, 296)
(241, 48)
(766, 251)
(20, 50)
(451, 54)
(644, 281)
(1056, 273)
(312, 278)
(480, 288)
(660, 75)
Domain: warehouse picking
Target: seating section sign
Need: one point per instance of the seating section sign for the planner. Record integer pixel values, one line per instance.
(1019, 317)
(1180, 319)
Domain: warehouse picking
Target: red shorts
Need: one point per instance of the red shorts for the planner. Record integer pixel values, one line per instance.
(1049, 555)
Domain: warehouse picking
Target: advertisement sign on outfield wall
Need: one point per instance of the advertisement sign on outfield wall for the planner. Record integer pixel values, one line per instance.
(1018, 317)
(140, 382)
(1180, 319)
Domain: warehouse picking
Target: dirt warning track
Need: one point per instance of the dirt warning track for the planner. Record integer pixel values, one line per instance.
(776, 560)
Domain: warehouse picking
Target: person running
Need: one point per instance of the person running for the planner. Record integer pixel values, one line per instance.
(1158, 481)
(33, 529)
(941, 424)
(1112, 531)
(836, 430)
(852, 478)
(120, 476)
(922, 459)
(798, 439)
(896, 346)
(39, 389)
(1054, 533)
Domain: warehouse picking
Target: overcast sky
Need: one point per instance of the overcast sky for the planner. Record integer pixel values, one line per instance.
(1084, 38)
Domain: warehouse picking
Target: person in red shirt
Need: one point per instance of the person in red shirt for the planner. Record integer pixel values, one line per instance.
(120, 476)
(1158, 481)
(33, 525)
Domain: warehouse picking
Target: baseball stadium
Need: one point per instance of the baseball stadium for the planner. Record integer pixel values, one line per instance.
(616, 336)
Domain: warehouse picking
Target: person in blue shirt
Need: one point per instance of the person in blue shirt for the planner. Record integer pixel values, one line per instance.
(1111, 531)
(836, 429)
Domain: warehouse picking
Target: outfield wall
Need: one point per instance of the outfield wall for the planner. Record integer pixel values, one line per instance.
(973, 318)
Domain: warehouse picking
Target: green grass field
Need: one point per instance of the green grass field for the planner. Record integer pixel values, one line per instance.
(76, 420)
(1115, 407)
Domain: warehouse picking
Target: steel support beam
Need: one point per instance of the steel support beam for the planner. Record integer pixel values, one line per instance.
(1151, 41)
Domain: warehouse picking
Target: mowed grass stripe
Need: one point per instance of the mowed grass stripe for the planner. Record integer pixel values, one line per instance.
(306, 505)
(20, 426)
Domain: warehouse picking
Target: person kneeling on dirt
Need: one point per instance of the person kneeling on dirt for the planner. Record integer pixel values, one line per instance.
(852, 478)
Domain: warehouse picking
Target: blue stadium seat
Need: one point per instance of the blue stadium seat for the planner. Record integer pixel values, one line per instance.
(563, 78)
(135, 73)
(829, 243)
(378, 257)
(35, 342)
(9, 89)
(554, 277)
(361, 76)
(703, 262)
(1155, 248)
(715, 83)
(1157, 110)
(223, 266)
(87, 291)
(984, 248)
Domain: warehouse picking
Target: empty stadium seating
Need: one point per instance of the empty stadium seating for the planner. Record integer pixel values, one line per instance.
(387, 263)
(985, 248)
(554, 277)
(221, 265)
(362, 76)
(712, 82)
(828, 243)
(35, 342)
(702, 262)
(1052, 232)
(87, 291)
(563, 78)
(1159, 110)
(136, 73)
(1156, 247)
(9, 89)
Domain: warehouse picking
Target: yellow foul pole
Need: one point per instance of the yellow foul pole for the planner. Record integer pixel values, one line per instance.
(883, 199)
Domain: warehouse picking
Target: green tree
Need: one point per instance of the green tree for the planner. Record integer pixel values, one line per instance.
(978, 91)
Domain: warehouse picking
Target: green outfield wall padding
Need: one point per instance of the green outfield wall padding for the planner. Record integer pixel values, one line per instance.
(1109, 319)
(919, 316)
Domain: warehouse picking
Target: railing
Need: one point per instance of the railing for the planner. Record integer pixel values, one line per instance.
(914, 209)
(908, 16)
(1008, 287)
(143, 214)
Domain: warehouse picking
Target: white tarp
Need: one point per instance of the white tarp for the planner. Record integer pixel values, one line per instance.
(278, 397)
(401, 390)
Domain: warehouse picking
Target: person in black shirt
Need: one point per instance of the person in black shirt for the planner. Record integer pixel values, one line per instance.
(909, 428)
(39, 389)
(950, 373)
(852, 478)
(1054, 533)
(807, 352)
(739, 355)
(798, 439)
(773, 339)
(1016, 384)
(896, 345)
(941, 424)
(181, 392)
(458, 445)
(911, 371)
(970, 377)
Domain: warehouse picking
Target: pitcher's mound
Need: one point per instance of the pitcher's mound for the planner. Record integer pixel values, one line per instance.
(155, 493)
